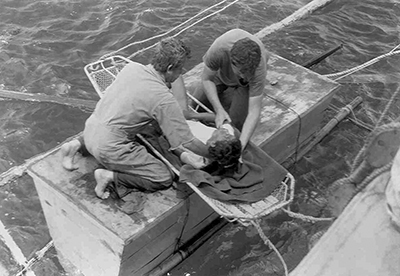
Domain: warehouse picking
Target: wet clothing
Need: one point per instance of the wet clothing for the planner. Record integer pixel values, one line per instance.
(137, 98)
(253, 180)
(233, 92)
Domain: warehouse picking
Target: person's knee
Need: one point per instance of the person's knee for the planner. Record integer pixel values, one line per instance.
(166, 184)
(160, 185)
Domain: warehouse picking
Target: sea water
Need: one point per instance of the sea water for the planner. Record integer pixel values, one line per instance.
(44, 46)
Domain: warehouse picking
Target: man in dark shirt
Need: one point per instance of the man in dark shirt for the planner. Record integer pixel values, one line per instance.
(233, 80)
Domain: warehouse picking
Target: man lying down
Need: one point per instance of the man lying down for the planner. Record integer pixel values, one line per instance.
(223, 145)
(233, 176)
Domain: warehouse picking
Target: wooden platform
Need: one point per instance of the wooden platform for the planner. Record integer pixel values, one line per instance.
(99, 239)
(361, 241)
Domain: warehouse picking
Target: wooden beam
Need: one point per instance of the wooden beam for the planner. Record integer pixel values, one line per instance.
(299, 14)
(80, 103)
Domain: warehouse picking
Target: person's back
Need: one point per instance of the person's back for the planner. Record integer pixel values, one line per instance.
(128, 104)
(129, 93)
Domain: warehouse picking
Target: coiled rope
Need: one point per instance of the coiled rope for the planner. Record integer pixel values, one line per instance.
(173, 29)
(339, 75)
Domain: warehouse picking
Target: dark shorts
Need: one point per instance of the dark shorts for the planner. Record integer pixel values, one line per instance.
(235, 100)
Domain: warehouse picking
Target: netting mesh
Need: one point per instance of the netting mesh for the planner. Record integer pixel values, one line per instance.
(102, 73)
(280, 197)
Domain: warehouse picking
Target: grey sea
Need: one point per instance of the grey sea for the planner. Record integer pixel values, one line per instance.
(44, 46)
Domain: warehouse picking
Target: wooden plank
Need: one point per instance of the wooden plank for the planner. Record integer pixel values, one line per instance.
(164, 254)
(80, 238)
(199, 216)
(297, 15)
(283, 143)
(360, 242)
(153, 248)
(198, 212)
(153, 230)
(79, 103)
(79, 185)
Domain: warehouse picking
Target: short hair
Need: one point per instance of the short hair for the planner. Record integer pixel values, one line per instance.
(170, 51)
(246, 53)
(226, 152)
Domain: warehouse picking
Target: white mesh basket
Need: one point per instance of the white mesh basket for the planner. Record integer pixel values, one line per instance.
(102, 73)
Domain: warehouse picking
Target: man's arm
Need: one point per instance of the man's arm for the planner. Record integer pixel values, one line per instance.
(197, 147)
(252, 119)
(179, 91)
(211, 92)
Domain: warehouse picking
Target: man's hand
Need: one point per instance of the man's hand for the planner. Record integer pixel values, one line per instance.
(222, 117)
(197, 161)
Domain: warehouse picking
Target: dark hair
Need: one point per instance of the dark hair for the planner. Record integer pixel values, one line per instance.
(246, 54)
(170, 51)
(226, 152)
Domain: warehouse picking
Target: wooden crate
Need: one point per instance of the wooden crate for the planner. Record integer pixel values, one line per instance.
(96, 236)
(99, 239)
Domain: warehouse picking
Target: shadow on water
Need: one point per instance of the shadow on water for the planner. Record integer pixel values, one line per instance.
(45, 45)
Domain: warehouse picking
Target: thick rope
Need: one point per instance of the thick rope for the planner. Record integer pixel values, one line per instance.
(345, 73)
(268, 243)
(376, 131)
(388, 105)
(305, 217)
(372, 176)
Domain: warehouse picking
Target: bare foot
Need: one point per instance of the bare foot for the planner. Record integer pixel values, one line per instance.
(68, 153)
(103, 178)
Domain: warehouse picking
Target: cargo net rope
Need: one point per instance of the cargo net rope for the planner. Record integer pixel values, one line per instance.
(102, 73)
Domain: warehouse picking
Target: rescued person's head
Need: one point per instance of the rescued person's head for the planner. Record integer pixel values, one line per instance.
(169, 58)
(224, 147)
(245, 56)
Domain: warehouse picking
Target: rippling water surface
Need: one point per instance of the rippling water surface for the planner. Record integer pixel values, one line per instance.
(44, 46)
